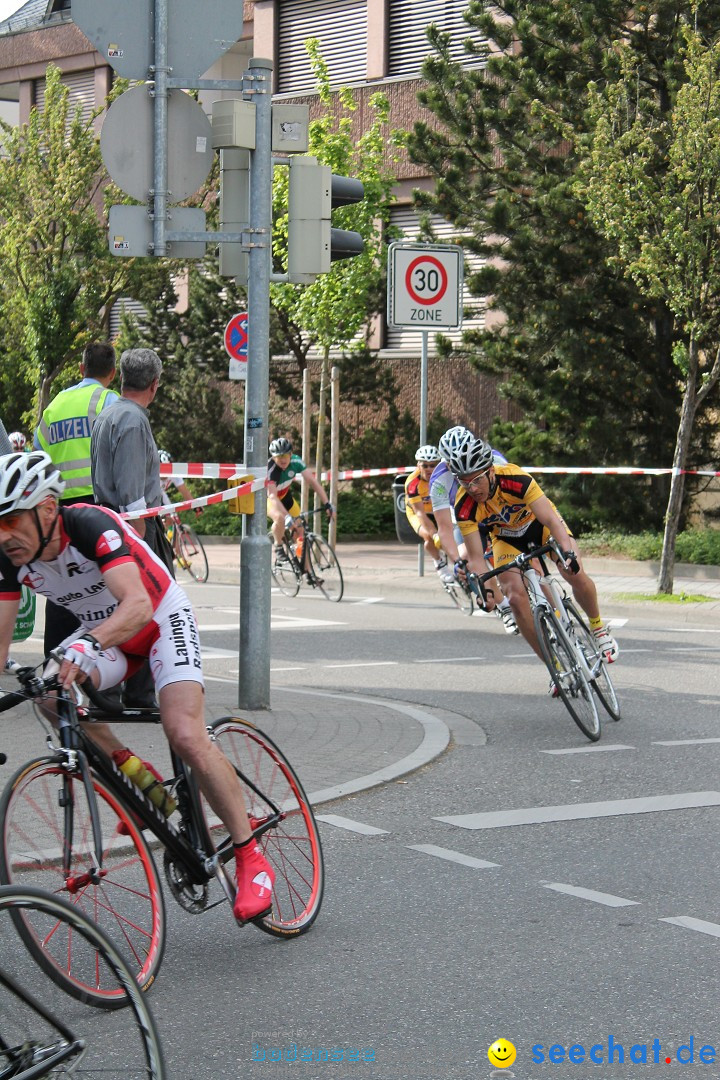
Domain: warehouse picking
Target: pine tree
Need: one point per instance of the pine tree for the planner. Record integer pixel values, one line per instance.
(581, 350)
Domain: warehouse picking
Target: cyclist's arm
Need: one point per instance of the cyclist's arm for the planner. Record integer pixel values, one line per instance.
(8, 615)
(446, 532)
(310, 478)
(425, 522)
(476, 552)
(134, 609)
(548, 516)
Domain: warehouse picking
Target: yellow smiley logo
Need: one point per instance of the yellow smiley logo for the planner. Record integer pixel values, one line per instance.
(501, 1054)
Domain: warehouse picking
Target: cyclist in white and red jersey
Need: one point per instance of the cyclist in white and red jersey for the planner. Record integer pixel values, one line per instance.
(88, 560)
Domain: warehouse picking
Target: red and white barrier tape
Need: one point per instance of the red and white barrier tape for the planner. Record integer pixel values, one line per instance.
(193, 504)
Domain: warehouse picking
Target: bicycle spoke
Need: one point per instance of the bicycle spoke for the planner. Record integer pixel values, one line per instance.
(568, 675)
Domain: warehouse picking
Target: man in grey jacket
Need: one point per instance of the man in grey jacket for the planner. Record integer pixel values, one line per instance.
(126, 471)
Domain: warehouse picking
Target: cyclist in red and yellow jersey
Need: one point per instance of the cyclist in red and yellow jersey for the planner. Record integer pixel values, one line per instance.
(418, 504)
(510, 504)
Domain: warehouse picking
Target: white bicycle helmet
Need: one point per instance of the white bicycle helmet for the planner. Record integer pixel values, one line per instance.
(427, 454)
(471, 458)
(278, 447)
(18, 440)
(454, 439)
(27, 479)
(165, 457)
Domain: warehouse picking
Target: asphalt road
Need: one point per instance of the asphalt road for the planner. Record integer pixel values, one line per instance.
(525, 884)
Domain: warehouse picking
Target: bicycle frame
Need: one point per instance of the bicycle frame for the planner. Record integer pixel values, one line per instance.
(71, 1046)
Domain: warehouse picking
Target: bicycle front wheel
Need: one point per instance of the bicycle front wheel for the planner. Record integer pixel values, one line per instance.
(601, 682)
(292, 845)
(47, 842)
(42, 1037)
(567, 674)
(191, 553)
(461, 598)
(326, 567)
(284, 573)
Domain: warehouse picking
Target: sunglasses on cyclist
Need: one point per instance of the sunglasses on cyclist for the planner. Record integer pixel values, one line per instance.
(9, 521)
(472, 481)
(427, 464)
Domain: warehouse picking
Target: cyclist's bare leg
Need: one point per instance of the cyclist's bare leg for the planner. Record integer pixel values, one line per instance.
(276, 511)
(183, 719)
(515, 591)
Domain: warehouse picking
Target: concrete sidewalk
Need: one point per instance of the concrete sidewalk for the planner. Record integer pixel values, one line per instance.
(391, 559)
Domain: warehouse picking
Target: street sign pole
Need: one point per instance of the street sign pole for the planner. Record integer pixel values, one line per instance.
(254, 660)
(160, 128)
(423, 422)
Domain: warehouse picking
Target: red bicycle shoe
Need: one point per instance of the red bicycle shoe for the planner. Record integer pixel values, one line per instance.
(255, 880)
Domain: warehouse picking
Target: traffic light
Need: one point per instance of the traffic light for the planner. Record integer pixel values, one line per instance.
(234, 210)
(314, 192)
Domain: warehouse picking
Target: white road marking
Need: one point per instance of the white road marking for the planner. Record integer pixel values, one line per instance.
(684, 742)
(693, 648)
(277, 622)
(364, 599)
(301, 668)
(447, 659)
(452, 856)
(498, 819)
(690, 630)
(702, 927)
(350, 825)
(592, 749)
(590, 894)
(364, 663)
(218, 654)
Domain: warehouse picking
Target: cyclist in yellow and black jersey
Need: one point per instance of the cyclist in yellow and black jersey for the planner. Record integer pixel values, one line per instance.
(512, 506)
(419, 509)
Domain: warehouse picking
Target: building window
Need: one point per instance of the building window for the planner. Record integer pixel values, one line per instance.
(81, 87)
(406, 220)
(408, 46)
(341, 28)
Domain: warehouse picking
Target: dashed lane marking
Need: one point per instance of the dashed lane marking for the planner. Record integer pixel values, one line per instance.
(351, 826)
(536, 815)
(448, 659)
(364, 663)
(684, 742)
(590, 894)
(702, 927)
(452, 856)
(592, 749)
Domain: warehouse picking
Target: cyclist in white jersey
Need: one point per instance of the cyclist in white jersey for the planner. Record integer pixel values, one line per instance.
(87, 559)
(443, 493)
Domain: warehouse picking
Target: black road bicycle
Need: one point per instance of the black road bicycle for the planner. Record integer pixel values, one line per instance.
(187, 547)
(72, 823)
(44, 1035)
(306, 556)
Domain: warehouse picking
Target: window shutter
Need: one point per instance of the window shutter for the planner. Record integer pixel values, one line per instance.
(341, 28)
(81, 86)
(409, 20)
(131, 308)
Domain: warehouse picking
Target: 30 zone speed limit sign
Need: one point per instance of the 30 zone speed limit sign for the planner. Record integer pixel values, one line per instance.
(425, 284)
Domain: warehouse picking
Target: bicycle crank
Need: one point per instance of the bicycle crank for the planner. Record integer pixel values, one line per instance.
(190, 895)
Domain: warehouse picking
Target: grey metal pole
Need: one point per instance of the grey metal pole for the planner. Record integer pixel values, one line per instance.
(160, 128)
(254, 660)
(306, 433)
(423, 422)
(334, 448)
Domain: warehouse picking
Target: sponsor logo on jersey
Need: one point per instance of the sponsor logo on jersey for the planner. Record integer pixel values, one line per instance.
(109, 541)
(32, 580)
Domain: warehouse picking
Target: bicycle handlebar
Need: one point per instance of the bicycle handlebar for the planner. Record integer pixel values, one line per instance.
(523, 561)
(32, 686)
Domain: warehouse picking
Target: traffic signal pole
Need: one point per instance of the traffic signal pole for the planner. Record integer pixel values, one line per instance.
(254, 660)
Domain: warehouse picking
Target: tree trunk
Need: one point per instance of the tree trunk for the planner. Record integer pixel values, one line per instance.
(677, 486)
(324, 378)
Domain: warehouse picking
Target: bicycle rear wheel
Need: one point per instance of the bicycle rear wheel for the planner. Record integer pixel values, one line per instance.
(284, 573)
(567, 674)
(292, 846)
(601, 683)
(125, 899)
(40, 1034)
(326, 567)
(192, 553)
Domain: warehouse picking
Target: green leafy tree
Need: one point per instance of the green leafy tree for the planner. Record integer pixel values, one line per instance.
(652, 185)
(585, 353)
(59, 279)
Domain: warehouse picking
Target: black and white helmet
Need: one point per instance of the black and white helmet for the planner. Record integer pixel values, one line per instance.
(454, 440)
(278, 447)
(17, 440)
(27, 479)
(428, 454)
(473, 457)
(165, 457)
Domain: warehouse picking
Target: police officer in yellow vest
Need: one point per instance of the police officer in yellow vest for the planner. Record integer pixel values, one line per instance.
(67, 423)
(64, 433)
